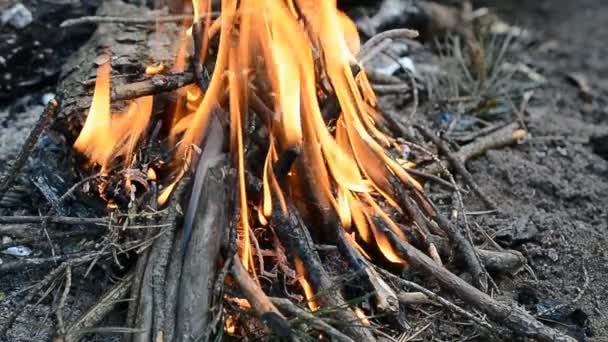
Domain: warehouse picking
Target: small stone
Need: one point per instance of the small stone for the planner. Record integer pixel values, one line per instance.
(562, 150)
(552, 254)
(17, 16)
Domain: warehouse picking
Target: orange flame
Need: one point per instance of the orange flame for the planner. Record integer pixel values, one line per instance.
(306, 286)
(286, 52)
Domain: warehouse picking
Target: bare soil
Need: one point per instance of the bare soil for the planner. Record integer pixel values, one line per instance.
(553, 189)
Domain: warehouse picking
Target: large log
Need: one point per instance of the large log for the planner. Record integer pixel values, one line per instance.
(132, 47)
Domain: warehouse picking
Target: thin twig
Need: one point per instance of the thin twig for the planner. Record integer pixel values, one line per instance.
(130, 20)
(34, 262)
(262, 305)
(380, 37)
(433, 178)
(53, 219)
(38, 287)
(511, 316)
(286, 305)
(62, 301)
(457, 164)
(439, 299)
(505, 136)
(28, 146)
(97, 312)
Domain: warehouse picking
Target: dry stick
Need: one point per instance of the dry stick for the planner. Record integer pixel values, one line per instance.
(294, 235)
(260, 303)
(64, 297)
(286, 305)
(38, 287)
(433, 178)
(37, 262)
(98, 311)
(457, 164)
(505, 136)
(28, 146)
(509, 261)
(512, 316)
(127, 20)
(386, 298)
(380, 37)
(462, 244)
(413, 298)
(437, 298)
(154, 85)
(52, 219)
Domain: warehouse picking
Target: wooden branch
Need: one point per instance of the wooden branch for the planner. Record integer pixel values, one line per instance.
(509, 261)
(261, 304)
(502, 137)
(22, 264)
(286, 305)
(457, 164)
(386, 298)
(294, 235)
(511, 316)
(413, 298)
(97, 19)
(201, 255)
(459, 241)
(155, 85)
(52, 219)
(98, 311)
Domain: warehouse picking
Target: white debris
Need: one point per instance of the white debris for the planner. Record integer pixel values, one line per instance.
(17, 16)
(46, 98)
(18, 251)
(391, 67)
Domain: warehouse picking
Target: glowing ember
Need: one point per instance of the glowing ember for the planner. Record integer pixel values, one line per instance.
(276, 52)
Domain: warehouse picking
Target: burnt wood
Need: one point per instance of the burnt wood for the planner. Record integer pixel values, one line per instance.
(132, 47)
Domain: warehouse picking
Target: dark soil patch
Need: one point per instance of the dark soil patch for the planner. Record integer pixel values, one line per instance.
(554, 188)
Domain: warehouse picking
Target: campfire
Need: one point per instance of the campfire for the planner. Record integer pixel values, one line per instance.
(260, 145)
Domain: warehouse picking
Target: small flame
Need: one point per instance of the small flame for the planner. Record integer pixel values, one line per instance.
(106, 136)
(151, 174)
(359, 312)
(230, 325)
(306, 286)
(98, 122)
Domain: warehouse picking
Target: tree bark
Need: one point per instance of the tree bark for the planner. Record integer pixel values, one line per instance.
(132, 47)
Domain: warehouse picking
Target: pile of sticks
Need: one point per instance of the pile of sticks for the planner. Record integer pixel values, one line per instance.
(179, 290)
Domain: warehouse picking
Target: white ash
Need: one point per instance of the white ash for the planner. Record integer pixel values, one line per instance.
(17, 16)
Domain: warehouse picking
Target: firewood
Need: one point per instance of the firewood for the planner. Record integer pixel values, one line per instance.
(178, 284)
(95, 314)
(294, 235)
(512, 316)
(129, 49)
(262, 305)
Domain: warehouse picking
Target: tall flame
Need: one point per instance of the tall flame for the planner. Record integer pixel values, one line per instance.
(285, 53)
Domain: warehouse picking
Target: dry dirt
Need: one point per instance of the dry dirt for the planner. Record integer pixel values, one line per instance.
(553, 190)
